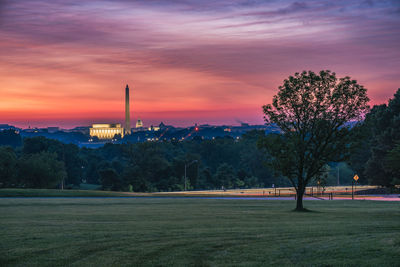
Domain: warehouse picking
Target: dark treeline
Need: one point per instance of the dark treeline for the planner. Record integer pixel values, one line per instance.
(39, 162)
(148, 166)
(377, 142)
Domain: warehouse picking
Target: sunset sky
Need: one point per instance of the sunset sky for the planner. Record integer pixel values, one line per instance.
(66, 63)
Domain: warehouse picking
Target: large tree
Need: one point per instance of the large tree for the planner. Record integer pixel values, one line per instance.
(312, 111)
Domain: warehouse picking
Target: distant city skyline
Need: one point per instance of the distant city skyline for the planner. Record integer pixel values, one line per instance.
(65, 63)
(70, 124)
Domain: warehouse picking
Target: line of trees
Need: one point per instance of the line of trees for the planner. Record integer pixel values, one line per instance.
(372, 151)
(141, 167)
(376, 153)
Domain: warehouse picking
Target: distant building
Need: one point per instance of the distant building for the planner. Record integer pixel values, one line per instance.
(53, 129)
(81, 129)
(153, 128)
(106, 131)
(162, 126)
(139, 123)
(7, 127)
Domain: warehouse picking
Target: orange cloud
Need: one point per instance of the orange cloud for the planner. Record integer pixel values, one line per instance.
(219, 62)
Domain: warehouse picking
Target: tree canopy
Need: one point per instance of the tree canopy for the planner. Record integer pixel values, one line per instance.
(377, 144)
(312, 111)
(140, 167)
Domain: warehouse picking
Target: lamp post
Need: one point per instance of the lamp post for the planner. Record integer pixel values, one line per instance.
(338, 174)
(187, 165)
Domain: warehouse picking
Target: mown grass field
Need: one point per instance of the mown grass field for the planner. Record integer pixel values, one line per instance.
(18, 192)
(197, 232)
(258, 192)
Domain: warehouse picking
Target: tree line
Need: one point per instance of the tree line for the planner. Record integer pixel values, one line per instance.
(39, 162)
(376, 153)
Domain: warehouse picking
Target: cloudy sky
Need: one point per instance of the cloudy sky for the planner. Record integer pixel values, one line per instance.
(67, 62)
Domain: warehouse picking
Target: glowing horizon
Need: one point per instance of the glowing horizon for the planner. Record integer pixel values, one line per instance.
(66, 63)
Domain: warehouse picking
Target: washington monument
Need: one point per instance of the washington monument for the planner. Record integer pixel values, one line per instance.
(127, 112)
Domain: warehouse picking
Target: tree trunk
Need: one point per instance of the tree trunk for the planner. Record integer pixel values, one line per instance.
(300, 194)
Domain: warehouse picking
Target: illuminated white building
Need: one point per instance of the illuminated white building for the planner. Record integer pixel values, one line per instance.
(106, 131)
(153, 128)
(139, 123)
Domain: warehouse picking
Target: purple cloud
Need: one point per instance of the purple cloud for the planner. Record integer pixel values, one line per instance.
(195, 51)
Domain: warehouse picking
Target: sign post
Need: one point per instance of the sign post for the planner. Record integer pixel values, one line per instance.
(354, 183)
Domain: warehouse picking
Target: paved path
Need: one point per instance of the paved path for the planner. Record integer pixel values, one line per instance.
(367, 197)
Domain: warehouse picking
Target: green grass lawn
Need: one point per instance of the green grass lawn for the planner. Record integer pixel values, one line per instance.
(201, 232)
(18, 192)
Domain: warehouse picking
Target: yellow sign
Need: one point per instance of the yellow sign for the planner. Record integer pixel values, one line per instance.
(356, 177)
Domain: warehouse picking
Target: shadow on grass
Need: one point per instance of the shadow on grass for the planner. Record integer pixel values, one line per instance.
(304, 210)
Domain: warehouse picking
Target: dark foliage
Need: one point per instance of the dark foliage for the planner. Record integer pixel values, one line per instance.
(140, 167)
(110, 180)
(312, 111)
(10, 138)
(376, 155)
(40, 170)
(8, 162)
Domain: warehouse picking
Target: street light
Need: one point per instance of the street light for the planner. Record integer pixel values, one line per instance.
(187, 165)
(338, 174)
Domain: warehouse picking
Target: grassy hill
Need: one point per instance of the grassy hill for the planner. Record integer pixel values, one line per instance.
(201, 232)
(18, 192)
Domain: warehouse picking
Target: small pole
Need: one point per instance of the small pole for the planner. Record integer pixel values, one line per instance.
(355, 187)
(338, 175)
(185, 177)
